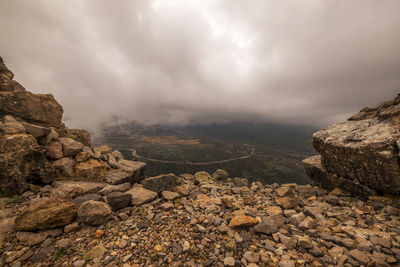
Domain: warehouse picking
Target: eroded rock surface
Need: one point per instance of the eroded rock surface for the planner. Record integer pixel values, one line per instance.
(361, 154)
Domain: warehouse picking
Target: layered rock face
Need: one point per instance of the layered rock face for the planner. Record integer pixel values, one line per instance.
(360, 155)
(36, 147)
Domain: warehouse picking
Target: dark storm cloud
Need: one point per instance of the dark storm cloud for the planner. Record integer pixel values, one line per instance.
(312, 62)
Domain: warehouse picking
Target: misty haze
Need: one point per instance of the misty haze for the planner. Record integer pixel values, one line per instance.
(199, 133)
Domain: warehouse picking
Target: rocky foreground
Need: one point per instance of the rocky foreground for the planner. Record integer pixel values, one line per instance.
(199, 220)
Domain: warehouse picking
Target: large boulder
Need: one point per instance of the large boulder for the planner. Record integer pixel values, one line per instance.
(360, 153)
(20, 161)
(136, 169)
(41, 109)
(45, 214)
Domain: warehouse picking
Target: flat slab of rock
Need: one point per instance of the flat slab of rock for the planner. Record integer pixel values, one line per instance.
(82, 199)
(40, 109)
(117, 177)
(45, 214)
(140, 195)
(243, 221)
(36, 130)
(118, 200)
(77, 188)
(114, 188)
(164, 182)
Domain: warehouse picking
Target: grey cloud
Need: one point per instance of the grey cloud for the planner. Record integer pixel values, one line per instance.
(313, 62)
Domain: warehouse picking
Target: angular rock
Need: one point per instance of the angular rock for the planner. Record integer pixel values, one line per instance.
(36, 130)
(82, 157)
(118, 200)
(76, 188)
(45, 214)
(136, 169)
(117, 177)
(114, 188)
(79, 135)
(54, 151)
(41, 109)
(164, 182)
(202, 177)
(94, 212)
(365, 148)
(287, 202)
(243, 221)
(70, 147)
(141, 195)
(64, 167)
(168, 195)
(21, 160)
(91, 169)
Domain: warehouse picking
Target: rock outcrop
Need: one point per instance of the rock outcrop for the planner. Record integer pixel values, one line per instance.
(360, 155)
(36, 147)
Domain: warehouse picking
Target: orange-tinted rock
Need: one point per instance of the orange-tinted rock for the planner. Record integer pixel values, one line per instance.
(242, 221)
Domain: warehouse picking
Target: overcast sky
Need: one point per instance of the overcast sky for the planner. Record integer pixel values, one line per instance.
(170, 61)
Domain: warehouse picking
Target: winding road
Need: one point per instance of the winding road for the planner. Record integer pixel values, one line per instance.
(135, 154)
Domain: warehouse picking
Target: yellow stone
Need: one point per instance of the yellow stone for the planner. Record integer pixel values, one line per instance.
(158, 248)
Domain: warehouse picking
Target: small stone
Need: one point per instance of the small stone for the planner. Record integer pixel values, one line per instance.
(229, 261)
(127, 257)
(71, 227)
(64, 243)
(251, 257)
(359, 256)
(231, 245)
(143, 224)
(243, 220)
(99, 233)
(96, 252)
(287, 202)
(169, 195)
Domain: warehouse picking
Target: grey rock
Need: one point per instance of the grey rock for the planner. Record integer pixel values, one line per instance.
(164, 182)
(94, 212)
(118, 200)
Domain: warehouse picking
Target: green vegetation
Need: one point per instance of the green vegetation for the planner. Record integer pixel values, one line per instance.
(59, 253)
(279, 148)
(12, 199)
